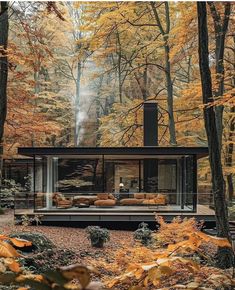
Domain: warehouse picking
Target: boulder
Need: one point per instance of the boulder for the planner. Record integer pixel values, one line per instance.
(39, 241)
(43, 254)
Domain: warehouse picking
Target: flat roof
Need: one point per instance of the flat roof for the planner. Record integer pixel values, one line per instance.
(146, 150)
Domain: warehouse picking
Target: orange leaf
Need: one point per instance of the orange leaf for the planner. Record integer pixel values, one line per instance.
(20, 243)
(12, 265)
(34, 277)
(220, 242)
(3, 237)
(7, 251)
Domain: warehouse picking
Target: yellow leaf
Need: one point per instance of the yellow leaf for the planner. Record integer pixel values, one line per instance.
(2, 268)
(139, 273)
(77, 272)
(165, 270)
(7, 251)
(193, 285)
(154, 274)
(22, 278)
(220, 242)
(12, 265)
(146, 281)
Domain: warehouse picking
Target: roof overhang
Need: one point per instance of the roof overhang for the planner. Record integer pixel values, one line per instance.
(200, 152)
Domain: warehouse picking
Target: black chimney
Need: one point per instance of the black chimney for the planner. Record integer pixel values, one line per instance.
(150, 139)
(150, 124)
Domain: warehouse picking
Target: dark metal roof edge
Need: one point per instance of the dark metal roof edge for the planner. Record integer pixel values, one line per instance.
(30, 151)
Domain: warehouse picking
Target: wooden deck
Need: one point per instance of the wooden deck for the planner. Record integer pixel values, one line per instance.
(118, 214)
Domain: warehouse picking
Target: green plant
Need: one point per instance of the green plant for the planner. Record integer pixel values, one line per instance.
(1, 211)
(28, 182)
(98, 236)
(27, 221)
(143, 234)
(9, 188)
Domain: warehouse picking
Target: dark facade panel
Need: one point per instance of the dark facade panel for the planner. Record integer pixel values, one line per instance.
(150, 124)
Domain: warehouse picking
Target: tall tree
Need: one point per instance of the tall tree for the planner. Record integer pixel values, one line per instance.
(220, 30)
(3, 71)
(225, 257)
(169, 84)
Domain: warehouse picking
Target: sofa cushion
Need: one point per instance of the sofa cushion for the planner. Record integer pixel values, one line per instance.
(139, 195)
(111, 196)
(105, 202)
(131, 201)
(103, 196)
(160, 195)
(150, 195)
(89, 200)
(149, 201)
(88, 197)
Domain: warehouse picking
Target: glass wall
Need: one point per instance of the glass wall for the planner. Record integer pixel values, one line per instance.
(122, 176)
(15, 189)
(78, 175)
(162, 183)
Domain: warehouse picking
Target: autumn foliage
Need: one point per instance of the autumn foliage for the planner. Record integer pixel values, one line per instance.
(176, 263)
(184, 262)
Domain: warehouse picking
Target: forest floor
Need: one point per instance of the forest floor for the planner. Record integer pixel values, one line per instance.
(189, 270)
(74, 239)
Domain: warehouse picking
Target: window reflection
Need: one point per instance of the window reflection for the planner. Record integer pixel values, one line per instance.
(79, 175)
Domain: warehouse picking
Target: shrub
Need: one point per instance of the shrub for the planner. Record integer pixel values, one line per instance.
(29, 221)
(1, 211)
(143, 234)
(176, 231)
(98, 236)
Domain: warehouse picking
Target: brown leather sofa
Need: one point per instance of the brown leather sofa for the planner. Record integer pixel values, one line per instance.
(105, 199)
(61, 201)
(84, 199)
(145, 199)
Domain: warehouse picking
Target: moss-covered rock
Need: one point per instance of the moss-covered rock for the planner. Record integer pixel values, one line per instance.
(39, 242)
(43, 254)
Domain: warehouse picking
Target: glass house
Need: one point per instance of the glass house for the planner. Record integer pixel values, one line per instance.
(121, 180)
(115, 178)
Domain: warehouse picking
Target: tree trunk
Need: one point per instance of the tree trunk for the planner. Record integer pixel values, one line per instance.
(220, 29)
(3, 74)
(77, 103)
(229, 156)
(169, 94)
(145, 82)
(230, 186)
(225, 257)
(165, 34)
(229, 150)
(97, 108)
(119, 68)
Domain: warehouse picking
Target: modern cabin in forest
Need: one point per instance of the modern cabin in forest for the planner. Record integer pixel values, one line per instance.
(117, 183)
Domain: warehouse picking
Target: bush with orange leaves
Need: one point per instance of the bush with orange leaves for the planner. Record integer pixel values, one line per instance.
(176, 231)
(174, 262)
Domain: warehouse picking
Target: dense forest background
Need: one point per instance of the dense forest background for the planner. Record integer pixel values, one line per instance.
(78, 73)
